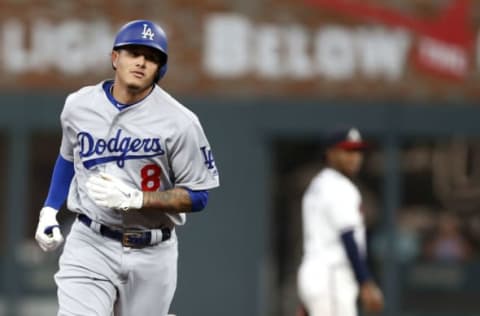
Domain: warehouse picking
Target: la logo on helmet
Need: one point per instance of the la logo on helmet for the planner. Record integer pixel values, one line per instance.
(147, 32)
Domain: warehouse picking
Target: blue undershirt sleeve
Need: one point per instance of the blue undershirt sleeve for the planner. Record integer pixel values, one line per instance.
(199, 199)
(358, 263)
(62, 176)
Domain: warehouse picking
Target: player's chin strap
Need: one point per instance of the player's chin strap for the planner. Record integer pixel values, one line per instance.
(108, 191)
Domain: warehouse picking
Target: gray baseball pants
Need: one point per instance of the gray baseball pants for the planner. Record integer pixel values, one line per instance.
(99, 277)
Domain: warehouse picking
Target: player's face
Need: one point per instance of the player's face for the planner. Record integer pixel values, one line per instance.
(346, 161)
(136, 67)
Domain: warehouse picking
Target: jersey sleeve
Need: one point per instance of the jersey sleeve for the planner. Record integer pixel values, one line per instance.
(192, 160)
(344, 207)
(62, 175)
(66, 146)
(357, 261)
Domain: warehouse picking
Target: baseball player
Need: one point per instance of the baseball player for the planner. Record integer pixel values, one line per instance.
(132, 162)
(333, 271)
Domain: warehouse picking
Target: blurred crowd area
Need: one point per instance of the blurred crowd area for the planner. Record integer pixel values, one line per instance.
(436, 228)
(440, 197)
(433, 235)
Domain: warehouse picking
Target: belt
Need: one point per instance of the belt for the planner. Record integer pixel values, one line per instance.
(129, 238)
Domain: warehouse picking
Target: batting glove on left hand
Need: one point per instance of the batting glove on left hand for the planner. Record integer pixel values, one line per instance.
(48, 234)
(108, 191)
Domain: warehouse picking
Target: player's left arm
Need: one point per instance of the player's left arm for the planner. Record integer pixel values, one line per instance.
(357, 261)
(370, 294)
(108, 191)
(194, 171)
(177, 200)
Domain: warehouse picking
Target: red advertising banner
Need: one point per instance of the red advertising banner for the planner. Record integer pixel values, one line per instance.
(444, 44)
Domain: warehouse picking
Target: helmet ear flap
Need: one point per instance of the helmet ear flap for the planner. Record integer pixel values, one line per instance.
(161, 72)
(114, 66)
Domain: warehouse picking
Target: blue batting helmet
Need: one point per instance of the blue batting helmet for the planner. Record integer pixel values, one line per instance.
(145, 33)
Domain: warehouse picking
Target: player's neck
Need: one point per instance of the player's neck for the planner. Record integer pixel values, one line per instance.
(340, 170)
(128, 95)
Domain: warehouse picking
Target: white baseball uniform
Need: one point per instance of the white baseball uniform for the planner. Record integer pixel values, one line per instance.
(153, 145)
(326, 281)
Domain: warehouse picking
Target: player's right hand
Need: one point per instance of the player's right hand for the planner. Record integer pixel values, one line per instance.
(371, 297)
(48, 234)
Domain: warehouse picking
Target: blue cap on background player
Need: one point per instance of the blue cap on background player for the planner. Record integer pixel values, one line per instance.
(346, 138)
(144, 33)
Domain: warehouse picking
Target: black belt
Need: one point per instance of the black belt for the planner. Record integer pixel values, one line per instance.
(132, 238)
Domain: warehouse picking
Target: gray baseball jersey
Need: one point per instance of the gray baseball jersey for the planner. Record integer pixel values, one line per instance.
(153, 145)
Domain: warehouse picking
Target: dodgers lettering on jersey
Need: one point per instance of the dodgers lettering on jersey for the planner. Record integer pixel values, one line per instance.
(118, 148)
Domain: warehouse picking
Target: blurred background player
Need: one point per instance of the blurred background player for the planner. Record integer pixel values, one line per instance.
(333, 272)
(135, 160)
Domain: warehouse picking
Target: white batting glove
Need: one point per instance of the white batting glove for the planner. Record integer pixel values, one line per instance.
(48, 234)
(108, 191)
